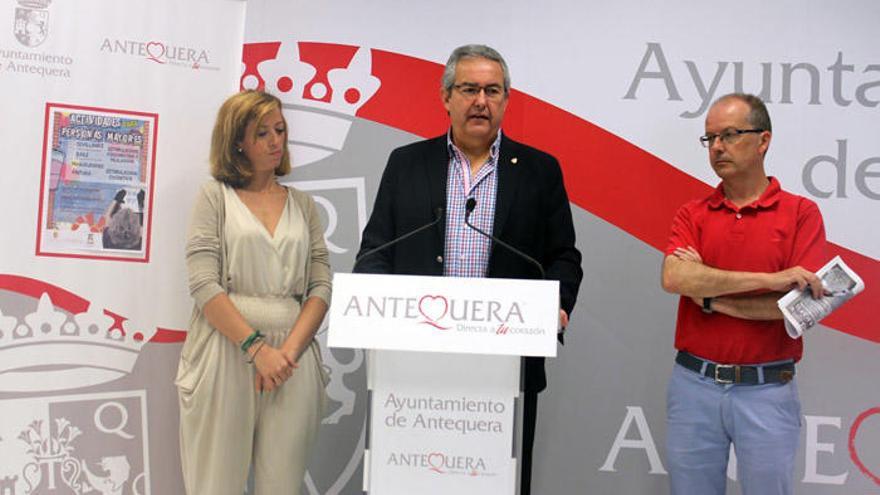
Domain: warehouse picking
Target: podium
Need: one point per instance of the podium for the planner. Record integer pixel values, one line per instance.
(443, 371)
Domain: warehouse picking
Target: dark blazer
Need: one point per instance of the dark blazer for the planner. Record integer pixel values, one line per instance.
(532, 213)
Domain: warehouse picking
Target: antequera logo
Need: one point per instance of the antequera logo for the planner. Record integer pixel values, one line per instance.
(31, 25)
(441, 463)
(433, 308)
(486, 316)
(161, 52)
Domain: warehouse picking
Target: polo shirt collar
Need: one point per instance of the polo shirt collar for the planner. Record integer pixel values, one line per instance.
(768, 198)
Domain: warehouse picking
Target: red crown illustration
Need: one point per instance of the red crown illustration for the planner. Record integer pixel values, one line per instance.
(50, 350)
(319, 115)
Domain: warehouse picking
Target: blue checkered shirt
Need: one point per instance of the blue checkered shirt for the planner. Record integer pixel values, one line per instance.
(467, 252)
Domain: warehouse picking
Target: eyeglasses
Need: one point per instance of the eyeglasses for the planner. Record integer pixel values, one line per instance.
(471, 91)
(728, 136)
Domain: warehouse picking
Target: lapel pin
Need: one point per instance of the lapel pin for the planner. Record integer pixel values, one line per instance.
(513, 160)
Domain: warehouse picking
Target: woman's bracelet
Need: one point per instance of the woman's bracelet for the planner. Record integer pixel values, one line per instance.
(250, 340)
(257, 351)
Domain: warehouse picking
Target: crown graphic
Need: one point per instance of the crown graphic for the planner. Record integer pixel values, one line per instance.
(50, 351)
(319, 115)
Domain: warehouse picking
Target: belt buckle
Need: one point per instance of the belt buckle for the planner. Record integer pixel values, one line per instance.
(786, 376)
(718, 378)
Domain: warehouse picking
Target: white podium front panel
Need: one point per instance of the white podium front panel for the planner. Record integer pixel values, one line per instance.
(442, 423)
(444, 314)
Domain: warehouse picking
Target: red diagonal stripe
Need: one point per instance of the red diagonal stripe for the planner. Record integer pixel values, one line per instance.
(34, 288)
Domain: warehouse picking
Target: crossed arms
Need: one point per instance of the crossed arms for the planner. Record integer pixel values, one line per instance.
(685, 273)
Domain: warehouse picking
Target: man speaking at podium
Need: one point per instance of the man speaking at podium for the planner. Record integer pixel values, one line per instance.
(475, 174)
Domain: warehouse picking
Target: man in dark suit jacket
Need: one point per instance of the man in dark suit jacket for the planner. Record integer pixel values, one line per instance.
(520, 196)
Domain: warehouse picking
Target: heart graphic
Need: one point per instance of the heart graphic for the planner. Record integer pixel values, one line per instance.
(435, 460)
(854, 430)
(433, 307)
(155, 51)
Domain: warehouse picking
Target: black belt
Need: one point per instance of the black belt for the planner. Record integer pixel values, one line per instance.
(732, 373)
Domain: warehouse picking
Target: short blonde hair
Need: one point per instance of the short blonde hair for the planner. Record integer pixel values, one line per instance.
(228, 163)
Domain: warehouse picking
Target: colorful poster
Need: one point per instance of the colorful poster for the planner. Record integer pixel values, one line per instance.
(96, 187)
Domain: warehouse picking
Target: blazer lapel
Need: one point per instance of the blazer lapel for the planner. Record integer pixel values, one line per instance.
(508, 180)
(437, 164)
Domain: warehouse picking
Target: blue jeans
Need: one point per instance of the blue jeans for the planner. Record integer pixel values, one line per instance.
(703, 418)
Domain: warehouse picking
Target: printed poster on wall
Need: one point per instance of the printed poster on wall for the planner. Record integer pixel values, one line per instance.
(96, 185)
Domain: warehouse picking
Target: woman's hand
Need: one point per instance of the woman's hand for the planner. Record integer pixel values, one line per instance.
(273, 368)
(291, 353)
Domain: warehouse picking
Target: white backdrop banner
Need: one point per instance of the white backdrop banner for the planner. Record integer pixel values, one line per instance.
(618, 92)
(107, 114)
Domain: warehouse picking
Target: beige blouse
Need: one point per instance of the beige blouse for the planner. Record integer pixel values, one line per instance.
(207, 259)
(261, 264)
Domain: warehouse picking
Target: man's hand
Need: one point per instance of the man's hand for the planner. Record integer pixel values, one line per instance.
(685, 273)
(688, 254)
(685, 266)
(798, 277)
(563, 320)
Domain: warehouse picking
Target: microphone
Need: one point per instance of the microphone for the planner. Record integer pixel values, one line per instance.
(438, 216)
(469, 208)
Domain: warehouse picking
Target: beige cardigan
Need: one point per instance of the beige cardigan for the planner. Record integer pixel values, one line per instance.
(206, 259)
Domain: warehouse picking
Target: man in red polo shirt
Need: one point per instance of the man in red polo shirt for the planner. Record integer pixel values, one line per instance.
(731, 256)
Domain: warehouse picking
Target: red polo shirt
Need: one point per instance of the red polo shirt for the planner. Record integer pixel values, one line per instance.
(778, 231)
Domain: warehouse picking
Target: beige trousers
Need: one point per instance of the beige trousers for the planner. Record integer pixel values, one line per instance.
(226, 424)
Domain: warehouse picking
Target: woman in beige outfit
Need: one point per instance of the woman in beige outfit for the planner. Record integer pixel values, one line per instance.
(250, 379)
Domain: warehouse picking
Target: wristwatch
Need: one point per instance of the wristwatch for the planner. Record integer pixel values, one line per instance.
(707, 305)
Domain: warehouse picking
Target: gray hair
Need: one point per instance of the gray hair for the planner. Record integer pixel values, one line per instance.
(473, 51)
(758, 117)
